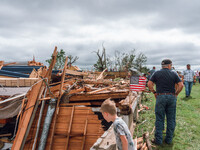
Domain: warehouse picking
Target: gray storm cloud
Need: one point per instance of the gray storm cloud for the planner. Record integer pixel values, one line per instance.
(159, 29)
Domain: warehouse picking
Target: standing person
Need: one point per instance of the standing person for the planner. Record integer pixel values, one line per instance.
(197, 76)
(188, 77)
(123, 136)
(152, 71)
(166, 97)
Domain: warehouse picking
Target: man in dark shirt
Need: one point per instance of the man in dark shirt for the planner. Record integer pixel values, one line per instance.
(166, 97)
(151, 72)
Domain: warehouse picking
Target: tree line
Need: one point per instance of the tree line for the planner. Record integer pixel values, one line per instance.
(118, 62)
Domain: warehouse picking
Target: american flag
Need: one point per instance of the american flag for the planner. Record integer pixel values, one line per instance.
(137, 83)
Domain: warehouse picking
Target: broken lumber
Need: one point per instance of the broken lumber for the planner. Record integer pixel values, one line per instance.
(101, 75)
(99, 90)
(92, 97)
(26, 118)
(76, 73)
(146, 136)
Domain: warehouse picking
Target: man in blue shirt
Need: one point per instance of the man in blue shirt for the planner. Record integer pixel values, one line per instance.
(166, 97)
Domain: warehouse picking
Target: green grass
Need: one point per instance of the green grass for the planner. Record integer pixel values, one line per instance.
(187, 132)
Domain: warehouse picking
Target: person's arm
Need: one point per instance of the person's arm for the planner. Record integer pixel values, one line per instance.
(179, 88)
(124, 142)
(151, 87)
(182, 77)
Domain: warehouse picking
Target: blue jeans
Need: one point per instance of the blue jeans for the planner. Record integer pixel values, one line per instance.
(165, 105)
(188, 87)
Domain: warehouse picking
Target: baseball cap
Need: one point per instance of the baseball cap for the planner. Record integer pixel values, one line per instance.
(166, 62)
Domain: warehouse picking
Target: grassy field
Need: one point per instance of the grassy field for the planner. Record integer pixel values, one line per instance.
(187, 132)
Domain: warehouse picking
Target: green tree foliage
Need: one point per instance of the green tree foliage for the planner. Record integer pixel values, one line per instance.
(145, 70)
(60, 60)
(124, 61)
(140, 61)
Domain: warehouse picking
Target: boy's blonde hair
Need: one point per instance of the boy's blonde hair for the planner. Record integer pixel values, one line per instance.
(109, 107)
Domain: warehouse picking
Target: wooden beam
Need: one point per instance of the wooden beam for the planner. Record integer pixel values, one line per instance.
(53, 62)
(86, 81)
(32, 98)
(74, 104)
(58, 102)
(84, 134)
(93, 97)
(101, 75)
(77, 91)
(62, 80)
(69, 129)
(45, 98)
(57, 87)
(146, 136)
(99, 90)
(76, 73)
(12, 63)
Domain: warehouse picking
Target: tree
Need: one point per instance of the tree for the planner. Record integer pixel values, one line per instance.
(101, 63)
(145, 70)
(140, 61)
(60, 60)
(122, 61)
(72, 59)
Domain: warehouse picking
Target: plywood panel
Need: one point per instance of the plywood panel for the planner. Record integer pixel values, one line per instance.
(93, 129)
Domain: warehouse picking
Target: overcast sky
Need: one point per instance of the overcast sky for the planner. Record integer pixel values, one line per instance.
(158, 28)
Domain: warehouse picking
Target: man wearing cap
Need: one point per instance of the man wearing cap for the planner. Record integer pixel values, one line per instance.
(188, 76)
(166, 97)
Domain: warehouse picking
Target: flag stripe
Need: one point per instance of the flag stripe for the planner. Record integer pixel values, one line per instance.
(140, 86)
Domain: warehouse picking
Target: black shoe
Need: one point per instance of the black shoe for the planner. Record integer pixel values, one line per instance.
(169, 143)
(154, 142)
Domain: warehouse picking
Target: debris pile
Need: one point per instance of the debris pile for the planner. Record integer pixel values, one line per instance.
(61, 110)
(143, 143)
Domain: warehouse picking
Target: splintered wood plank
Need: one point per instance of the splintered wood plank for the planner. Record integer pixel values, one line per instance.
(57, 87)
(99, 90)
(101, 75)
(76, 73)
(102, 96)
(62, 81)
(84, 134)
(58, 102)
(75, 104)
(32, 98)
(69, 130)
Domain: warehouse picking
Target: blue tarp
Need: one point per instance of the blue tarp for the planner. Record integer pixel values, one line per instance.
(21, 69)
(13, 74)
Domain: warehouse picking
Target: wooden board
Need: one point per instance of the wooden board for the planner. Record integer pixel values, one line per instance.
(18, 82)
(102, 96)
